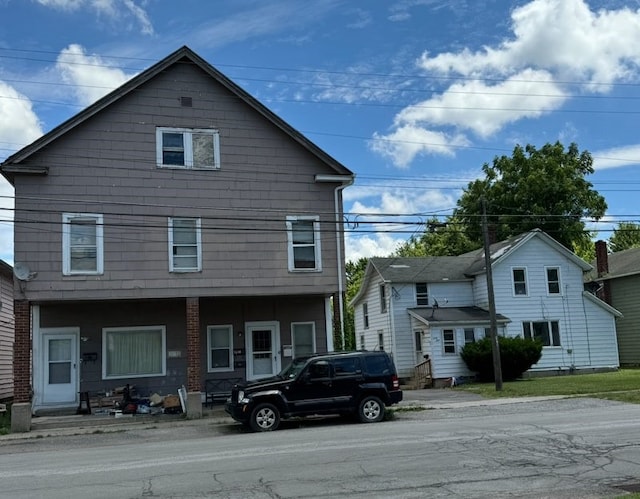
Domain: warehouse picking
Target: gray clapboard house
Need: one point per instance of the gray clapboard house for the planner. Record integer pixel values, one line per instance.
(175, 231)
(616, 280)
(433, 306)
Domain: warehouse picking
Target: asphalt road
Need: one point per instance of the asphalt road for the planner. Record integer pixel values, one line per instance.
(570, 448)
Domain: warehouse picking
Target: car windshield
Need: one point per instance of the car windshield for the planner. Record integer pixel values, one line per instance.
(292, 370)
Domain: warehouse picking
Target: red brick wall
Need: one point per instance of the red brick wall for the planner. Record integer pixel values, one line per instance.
(193, 344)
(22, 352)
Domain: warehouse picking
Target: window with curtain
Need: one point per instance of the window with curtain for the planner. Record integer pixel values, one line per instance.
(133, 352)
(82, 243)
(220, 340)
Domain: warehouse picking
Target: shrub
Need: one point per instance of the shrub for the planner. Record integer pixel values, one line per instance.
(517, 355)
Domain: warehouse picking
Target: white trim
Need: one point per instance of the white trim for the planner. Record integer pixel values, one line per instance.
(526, 281)
(39, 356)
(188, 147)
(107, 330)
(198, 267)
(316, 243)
(546, 278)
(67, 218)
(229, 328)
(328, 320)
(444, 342)
(275, 347)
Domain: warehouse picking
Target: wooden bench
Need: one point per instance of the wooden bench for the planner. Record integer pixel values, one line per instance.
(218, 390)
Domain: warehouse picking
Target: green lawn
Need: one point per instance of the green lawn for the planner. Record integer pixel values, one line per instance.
(623, 385)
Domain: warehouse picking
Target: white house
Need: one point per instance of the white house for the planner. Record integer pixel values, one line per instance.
(433, 306)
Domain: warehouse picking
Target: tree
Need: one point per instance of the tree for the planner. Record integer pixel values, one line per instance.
(625, 236)
(586, 248)
(354, 272)
(534, 188)
(440, 239)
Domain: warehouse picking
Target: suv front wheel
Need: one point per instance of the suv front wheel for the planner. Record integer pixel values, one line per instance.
(371, 409)
(265, 417)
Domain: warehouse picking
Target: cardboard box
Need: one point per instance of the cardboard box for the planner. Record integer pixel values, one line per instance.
(171, 401)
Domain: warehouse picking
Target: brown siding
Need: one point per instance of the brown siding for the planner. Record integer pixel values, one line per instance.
(107, 165)
(625, 298)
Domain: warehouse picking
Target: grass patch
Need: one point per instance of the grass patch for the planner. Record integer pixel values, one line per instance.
(623, 385)
(408, 409)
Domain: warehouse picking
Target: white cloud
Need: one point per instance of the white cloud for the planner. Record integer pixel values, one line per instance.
(552, 42)
(19, 124)
(113, 9)
(369, 245)
(92, 77)
(409, 141)
(616, 157)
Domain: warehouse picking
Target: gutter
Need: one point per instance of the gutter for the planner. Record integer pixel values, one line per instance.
(345, 181)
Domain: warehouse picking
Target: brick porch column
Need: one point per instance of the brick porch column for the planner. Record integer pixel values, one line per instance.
(22, 352)
(193, 345)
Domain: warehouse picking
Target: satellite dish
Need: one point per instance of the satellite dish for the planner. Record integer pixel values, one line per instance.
(22, 272)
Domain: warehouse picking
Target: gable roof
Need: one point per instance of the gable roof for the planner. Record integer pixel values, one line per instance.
(500, 250)
(621, 264)
(454, 268)
(11, 166)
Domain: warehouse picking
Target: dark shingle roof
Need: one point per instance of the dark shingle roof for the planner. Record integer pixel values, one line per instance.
(423, 269)
(621, 263)
(456, 315)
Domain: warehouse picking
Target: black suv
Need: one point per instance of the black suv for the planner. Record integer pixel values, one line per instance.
(360, 383)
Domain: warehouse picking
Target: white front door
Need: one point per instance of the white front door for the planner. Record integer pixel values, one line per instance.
(60, 367)
(263, 349)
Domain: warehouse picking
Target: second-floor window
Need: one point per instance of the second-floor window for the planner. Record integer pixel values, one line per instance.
(383, 299)
(185, 245)
(365, 315)
(304, 243)
(82, 243)
(422, 294)
(553, 280)
(188, 148)
(548, 332)
(519, 281)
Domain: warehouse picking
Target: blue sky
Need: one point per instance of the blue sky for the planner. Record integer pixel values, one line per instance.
(412, 95)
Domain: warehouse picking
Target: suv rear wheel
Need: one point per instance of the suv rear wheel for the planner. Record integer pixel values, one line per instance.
(371, 409)
(265, 417)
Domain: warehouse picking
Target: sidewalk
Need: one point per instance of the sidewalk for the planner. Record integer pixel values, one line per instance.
(67, 425)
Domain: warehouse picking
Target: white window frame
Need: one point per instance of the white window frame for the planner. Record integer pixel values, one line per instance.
(449, 342)
(316, 243)
(365, 315)
(422, 296)
(188, 147)
(381, 340)
(105, 331)
(67, 219)
(473, 338)
(362, 342)
(550, 323)
(514, 282)
(210, 367)
(293, 336)
(383, 299)
(172, 267)
(549, 282)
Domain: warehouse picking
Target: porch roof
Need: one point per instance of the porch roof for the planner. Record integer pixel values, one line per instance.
(450, 316)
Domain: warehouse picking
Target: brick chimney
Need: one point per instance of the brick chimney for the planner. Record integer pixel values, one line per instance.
(602, 267)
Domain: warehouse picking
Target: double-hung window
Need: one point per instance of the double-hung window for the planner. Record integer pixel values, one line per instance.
(469, 335)
(185, 245)
(365, 315)
(553, 280)
(304, 243)
(548, 332)
(519, 281)
(220, 347)
(303, 338)
(133, 352)
(82, 243)
(422, 294)
(449, 341)
(383, 299)
(188, 148)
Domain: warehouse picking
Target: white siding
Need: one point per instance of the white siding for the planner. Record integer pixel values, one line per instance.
(449, 365)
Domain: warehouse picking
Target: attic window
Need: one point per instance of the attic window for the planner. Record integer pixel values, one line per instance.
(188, 148)
(186, 101)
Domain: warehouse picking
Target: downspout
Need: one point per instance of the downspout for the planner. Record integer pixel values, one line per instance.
(345, 181)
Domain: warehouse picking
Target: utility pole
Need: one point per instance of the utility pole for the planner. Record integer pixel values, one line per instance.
(495, 346)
